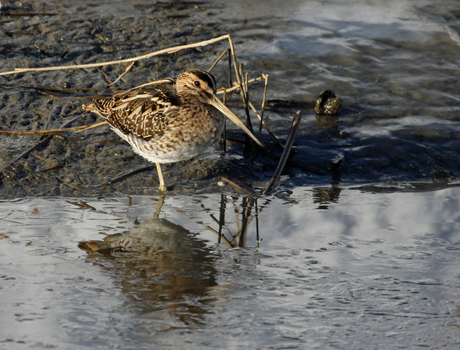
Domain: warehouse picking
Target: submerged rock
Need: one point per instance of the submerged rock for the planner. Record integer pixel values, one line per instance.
(328, 103)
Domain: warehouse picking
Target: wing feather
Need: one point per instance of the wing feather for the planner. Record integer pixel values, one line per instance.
(143, 112)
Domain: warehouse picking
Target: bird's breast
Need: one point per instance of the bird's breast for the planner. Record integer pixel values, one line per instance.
(198, 125)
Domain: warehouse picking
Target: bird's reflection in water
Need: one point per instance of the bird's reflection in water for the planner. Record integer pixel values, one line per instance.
(167, 271)
(162, 267)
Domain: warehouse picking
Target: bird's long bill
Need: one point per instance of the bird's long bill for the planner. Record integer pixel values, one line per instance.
(229, 114)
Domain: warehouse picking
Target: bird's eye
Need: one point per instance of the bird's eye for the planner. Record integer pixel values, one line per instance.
(196, 83)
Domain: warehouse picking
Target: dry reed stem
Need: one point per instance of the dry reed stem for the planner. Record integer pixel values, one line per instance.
(105, 77)
(224, 133)
(236, 186)
(237, 86)
(126, 70)
(217, 60)
(47, 131)
(128, 60)
(92, 126)
(264, 99)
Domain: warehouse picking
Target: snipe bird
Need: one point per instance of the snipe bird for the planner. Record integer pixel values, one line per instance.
(169, 121)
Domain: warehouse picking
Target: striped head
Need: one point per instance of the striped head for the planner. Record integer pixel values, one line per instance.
(196, 84)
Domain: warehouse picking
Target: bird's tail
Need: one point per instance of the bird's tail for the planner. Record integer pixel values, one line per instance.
(88, 107)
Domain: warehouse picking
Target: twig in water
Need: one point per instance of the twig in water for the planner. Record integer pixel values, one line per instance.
(284, 157)
(238, 187)
(124, 176)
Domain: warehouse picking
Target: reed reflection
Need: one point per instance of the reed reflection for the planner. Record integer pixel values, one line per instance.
(162, 266)
(245, 214)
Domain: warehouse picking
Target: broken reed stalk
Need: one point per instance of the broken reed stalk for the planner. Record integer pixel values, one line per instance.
(126, 70)
(123, 176)
(256, 209)
(237, 86)
(127, 60)
(92, 126)
(238, 187)
(218, 60)
(264, 99)
(235, 61)
(245, 96)
(224, 133)
(246, 220)
(284, 157)
(230, 83)
(47, 131)
(221, 216)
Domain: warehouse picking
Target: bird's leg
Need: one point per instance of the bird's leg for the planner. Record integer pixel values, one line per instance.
(159, 206)
(162, 186)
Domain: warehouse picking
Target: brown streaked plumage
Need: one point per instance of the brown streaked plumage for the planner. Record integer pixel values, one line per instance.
(169, 121)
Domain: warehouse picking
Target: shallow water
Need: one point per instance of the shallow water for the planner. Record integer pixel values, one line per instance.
(363, 257)
(364, 270)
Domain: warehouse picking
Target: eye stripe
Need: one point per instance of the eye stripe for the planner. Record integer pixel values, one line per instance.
(206, 77)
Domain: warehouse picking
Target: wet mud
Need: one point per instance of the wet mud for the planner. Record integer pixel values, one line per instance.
(376, 135)
(69, 163)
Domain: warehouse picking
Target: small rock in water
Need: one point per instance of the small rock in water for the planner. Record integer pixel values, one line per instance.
(337, 163)
(328, 103)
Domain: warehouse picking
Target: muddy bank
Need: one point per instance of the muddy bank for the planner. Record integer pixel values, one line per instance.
(72, 163)
(375, 132)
